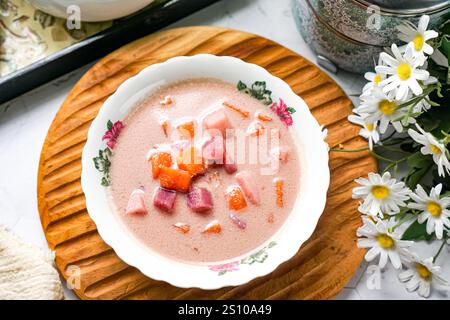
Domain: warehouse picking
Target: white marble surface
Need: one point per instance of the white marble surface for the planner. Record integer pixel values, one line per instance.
(24, 123)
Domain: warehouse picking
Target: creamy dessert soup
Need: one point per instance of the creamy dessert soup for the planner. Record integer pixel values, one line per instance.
(184, 178)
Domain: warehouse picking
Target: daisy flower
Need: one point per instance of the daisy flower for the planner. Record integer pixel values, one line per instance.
(417, 37)
(432, 146)
(421, 275)
(402, 73)
(374, 81)
(379, 107)
(434, 209)
(381, 194)
(368, 130)
(377, 235)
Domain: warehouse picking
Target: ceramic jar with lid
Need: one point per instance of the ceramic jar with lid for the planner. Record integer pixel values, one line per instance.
(352, 33)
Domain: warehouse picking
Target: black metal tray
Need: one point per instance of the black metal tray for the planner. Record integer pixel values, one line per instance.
(121, 32)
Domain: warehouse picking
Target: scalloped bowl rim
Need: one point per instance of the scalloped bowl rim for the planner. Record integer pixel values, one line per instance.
(298, 227)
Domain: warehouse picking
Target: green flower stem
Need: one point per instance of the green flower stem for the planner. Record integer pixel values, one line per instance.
(418, 98)
(440, 249)
(380, 157)
(387, 147)
(395, 163)
(376, 155)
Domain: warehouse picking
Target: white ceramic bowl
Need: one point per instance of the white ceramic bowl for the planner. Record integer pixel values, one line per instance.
(92, 10)
(280, 247)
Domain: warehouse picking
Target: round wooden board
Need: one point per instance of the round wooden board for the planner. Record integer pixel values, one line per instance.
(325, 262)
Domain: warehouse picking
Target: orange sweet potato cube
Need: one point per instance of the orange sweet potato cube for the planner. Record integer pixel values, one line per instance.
(235, 198)
(191, 160)
(187, 130)
(159, 160)
(174, 179)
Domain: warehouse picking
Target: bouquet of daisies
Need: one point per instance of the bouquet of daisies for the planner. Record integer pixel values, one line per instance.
(404, 112)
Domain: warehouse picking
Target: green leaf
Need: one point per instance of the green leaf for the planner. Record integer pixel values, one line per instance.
(241, 86)
(221, 273)
(445, 46)
(109, 125)
(428, 123)
(416, 231)
(419, 165)
(266, 99)
(107, 151)
(418, 160)
(99, 164)
(291, 110)
(259, 86)
(105, 181)
(248, 260)
(271, 244)
(415, 176)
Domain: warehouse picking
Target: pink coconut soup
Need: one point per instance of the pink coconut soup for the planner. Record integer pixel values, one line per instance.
(221, 202)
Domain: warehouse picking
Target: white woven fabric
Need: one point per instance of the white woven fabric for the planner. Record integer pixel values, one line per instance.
(26, 272)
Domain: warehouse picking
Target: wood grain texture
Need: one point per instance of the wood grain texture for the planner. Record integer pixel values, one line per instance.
(325, 262)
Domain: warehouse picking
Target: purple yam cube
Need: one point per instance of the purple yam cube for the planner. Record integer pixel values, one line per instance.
(164, 199)
(199, 199)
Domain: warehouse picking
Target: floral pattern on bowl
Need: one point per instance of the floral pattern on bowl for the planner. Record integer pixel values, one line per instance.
(259, 91)
(258, 257)
(102, 162)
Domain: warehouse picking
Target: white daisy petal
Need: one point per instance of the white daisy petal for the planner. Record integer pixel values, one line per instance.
(430, 226)
(439, 228)
(395, 259)
(424, 289)
(413, 284)
(372, 253)
(405, 275)
(423, 23)
(383, 259)
(421, 74)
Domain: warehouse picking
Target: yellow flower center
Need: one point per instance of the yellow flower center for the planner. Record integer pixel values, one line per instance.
(380, 192)
(387, 107)
(423, 271)
(418, 42)
(369, 126)
(435, 149)
(434, 208)
(404, 71)
(385, 241)
(377, 79)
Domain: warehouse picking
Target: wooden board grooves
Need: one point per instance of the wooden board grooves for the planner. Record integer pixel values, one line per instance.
(64, 157)
(324, 263)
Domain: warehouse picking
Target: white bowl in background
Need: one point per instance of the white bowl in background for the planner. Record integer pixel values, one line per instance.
(282, 246)
(92, 10)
